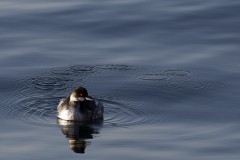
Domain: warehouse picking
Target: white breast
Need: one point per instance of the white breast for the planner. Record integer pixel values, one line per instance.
(69, 113)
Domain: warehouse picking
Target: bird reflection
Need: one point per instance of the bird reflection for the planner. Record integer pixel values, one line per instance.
(79, 134)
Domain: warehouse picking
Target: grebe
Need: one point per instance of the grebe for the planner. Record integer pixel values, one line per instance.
(80, 107)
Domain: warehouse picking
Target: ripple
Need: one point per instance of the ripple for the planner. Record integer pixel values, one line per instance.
(116, 67)
(41, 111)
(185, 85)
(50, 83)
(177, 73)
(214, 84)
(34, 109)
(194, 85)
(154, 76)
(165, 75)
(34, 99)
(179, 79)
(123, 114)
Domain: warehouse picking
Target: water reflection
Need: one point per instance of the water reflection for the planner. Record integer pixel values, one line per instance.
(79, 135)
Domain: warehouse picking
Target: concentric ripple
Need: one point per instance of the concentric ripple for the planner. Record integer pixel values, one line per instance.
(178, 79)
(116, 67)
(35, 99)
(33, 109)
(50, 83)
(165, 75)
(123, 114)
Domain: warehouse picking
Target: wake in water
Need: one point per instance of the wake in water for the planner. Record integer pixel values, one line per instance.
(35, 99)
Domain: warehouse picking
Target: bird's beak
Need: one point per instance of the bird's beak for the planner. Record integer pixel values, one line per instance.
(81, 99)
(84, 99)
(89, 99)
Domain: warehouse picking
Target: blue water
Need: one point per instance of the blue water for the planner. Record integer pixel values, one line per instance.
(167, 73)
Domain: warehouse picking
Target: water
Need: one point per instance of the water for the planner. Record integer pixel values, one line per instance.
(167, 73)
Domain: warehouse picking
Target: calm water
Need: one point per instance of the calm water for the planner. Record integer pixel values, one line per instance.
(167, 73)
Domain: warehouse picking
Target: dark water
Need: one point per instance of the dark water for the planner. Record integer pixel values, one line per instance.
(167, 73)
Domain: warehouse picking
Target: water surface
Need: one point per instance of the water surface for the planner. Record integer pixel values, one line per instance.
(167, 73)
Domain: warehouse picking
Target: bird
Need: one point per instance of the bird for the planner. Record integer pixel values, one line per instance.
(79, 106)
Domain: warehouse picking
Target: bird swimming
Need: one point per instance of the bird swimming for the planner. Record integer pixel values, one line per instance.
(79, 106)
